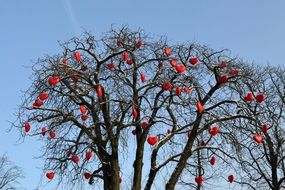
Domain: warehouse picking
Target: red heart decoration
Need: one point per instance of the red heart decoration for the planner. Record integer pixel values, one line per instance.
(89, 155)
(139, 43)
(130, 61)
(199, 180)
(53, 80)
(64, 60)
(52, 134)
(257, 138)
(194, 60)
(214, 131)
(231, 178)
(200, 107)
(178, 91)
(84, 117)
(173, 62)
(43, 96)
(143, 78)
(75, 159)
(38, 103)
(27, 127)
(77, 56)
(134, 112)
(223, 79)
(87, 175)
(249, 97)
(233, 72)
(83, 109)
(111, 66)
(144, 124)
(50, 175)
(167, 51)
(213, 160)
(99, 91)
(152, 140)
(260, 97)
(265, 128)
(180, 68)
(125, 56)
(186, 90)
(75, 77)
(167, 86)
(44, 130)
(134, 132)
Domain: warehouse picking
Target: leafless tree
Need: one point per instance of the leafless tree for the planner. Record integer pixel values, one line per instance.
(9, 174)
(130, 83)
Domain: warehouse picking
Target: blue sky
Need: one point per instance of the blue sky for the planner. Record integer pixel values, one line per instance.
(253, 30)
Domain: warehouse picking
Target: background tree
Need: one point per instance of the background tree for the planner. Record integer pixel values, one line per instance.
(101, 101)
(9, 174)
(262, 162)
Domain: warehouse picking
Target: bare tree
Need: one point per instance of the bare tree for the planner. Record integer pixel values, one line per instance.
(91, 99)
(9, 174)
(262, 162)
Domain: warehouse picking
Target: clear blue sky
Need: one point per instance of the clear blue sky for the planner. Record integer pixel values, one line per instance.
(253, 30)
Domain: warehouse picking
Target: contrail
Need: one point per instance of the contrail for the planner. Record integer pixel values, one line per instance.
(70, 13)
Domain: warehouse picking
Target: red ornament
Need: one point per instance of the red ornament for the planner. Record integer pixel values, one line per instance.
(213, 160)
(84, 117)
(99, 91)
(53, 80)
(143, 78)
(200, 107)
(231, 178)
(89, 155)
(52, 134)
(186, 90)
(167, 86)
(83, 109)
(260, 97)
(134, 112)
(199, 180)
(139, 43)
(43, 96)
(64, 60)
(249, 97)
(27, 127)
(214, 131)
(144, 124)
(75, 159)
(178, 91)
(173, 62)
(152, 140)
(111, 66)
(44, 130)
(167, 51)
(180, 68)
(265, 128)
(194, 60)
(125, 56)
(223, 79)
(77, 56)
(87, 175)
(257, 138)
(38, 103)
(134, 132)
(50, 175)
(130, 61)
